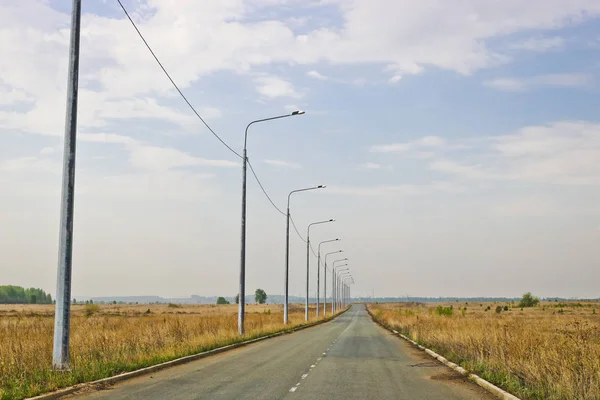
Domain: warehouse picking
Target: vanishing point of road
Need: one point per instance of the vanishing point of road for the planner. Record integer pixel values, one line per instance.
(348, 358)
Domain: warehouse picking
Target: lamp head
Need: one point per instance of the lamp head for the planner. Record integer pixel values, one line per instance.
(298, 112)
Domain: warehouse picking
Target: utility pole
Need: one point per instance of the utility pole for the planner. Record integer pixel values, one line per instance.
(62, 316)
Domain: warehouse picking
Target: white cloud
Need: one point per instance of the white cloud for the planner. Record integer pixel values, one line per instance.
(563, 153)
(284, 164)
(404, 147)
(273, 87)
(316, 75)
(47, 150)
(162, 158)
(395, 79)
(551, 80)
(399, 190)
(539, 44)
(369, 165)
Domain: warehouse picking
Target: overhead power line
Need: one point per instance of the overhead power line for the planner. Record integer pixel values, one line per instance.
(263, 189)
(173, 82)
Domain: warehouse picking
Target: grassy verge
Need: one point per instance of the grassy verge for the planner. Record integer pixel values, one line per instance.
(107, 343)
(535, 354)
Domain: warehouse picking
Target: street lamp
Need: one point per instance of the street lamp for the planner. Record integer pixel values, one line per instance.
(342, 292)
(325, 281)
(334, 283)
(335, 286)
(287, 248)
(319, 269)
(347, 280)
(308, 263)
(242, 292)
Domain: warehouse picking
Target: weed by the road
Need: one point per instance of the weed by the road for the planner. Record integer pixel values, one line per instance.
(533, 353)
(109, 339)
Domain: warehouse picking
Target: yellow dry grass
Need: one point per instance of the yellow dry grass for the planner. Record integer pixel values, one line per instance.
(119, 338)
(551, 351)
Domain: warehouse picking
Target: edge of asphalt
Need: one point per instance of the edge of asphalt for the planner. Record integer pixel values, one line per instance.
(178, 361)
(490, 387)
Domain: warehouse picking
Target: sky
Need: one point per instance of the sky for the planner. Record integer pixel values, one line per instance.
(459, 142)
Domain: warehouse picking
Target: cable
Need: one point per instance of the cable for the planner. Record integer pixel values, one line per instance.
(263, 189)
(174, 84)
(296, 229)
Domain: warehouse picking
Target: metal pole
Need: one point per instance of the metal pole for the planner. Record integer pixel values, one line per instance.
(62, 321)
(242, 292)
(287, 263)
(307, 274)
(325, 289)
(318, 277)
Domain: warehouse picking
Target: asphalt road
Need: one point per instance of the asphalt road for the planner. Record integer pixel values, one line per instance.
(348, 358)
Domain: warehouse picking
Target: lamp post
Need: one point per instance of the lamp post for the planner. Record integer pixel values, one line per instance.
(334, 283)
(334, 305)
(287, 249)
(242, 292)
(325, 282)
(319, 269)
(343, 279)
(308, 264)
(62, 315)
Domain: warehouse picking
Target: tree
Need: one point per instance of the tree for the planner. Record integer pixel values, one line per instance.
(528, 300)
(222, 300)
(237, 299)
(260, 296)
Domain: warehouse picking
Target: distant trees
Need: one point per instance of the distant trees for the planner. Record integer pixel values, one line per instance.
(237, 299)
(529, 300)
(17, 295)
(260, 296)
(222, 300)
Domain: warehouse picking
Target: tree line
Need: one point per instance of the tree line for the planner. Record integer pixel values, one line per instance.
(17, 295)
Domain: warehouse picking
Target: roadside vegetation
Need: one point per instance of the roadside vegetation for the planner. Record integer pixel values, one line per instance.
(535, 350)
(110, 339)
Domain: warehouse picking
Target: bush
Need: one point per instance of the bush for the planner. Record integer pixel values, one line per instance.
(173, 305)
(529, 300)
(91, 309)
(498, 309)
(505, 308)
(222, 300)
(447, 311)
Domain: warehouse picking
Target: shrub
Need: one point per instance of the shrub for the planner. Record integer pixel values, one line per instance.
(447, 311)
(498, 309)
(505, 308)
(91, 309)
(529, 300)
(222, 300)
(173, 305)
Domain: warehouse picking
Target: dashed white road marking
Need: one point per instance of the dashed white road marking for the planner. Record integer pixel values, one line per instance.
(312, 366)
(293, 389)
(304, 376)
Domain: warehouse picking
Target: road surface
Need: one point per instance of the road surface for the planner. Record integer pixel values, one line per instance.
(348, 358)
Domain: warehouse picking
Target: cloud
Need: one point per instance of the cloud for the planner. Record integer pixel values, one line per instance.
(272, 87)
(284, 164)
(369, 166)
(404, 147)
(550, 80)
(316, 75)
(47, 150)
(560, 153)
(395, 79)
(163, 158)
(539, 44)
(398, 190)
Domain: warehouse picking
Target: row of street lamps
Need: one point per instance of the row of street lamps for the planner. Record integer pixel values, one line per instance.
(337, 296)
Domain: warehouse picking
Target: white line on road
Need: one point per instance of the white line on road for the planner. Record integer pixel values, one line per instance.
(304, 376)
(293, 389)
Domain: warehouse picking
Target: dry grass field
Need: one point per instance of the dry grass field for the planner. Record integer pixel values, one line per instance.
(551, 351)
(110, 339)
